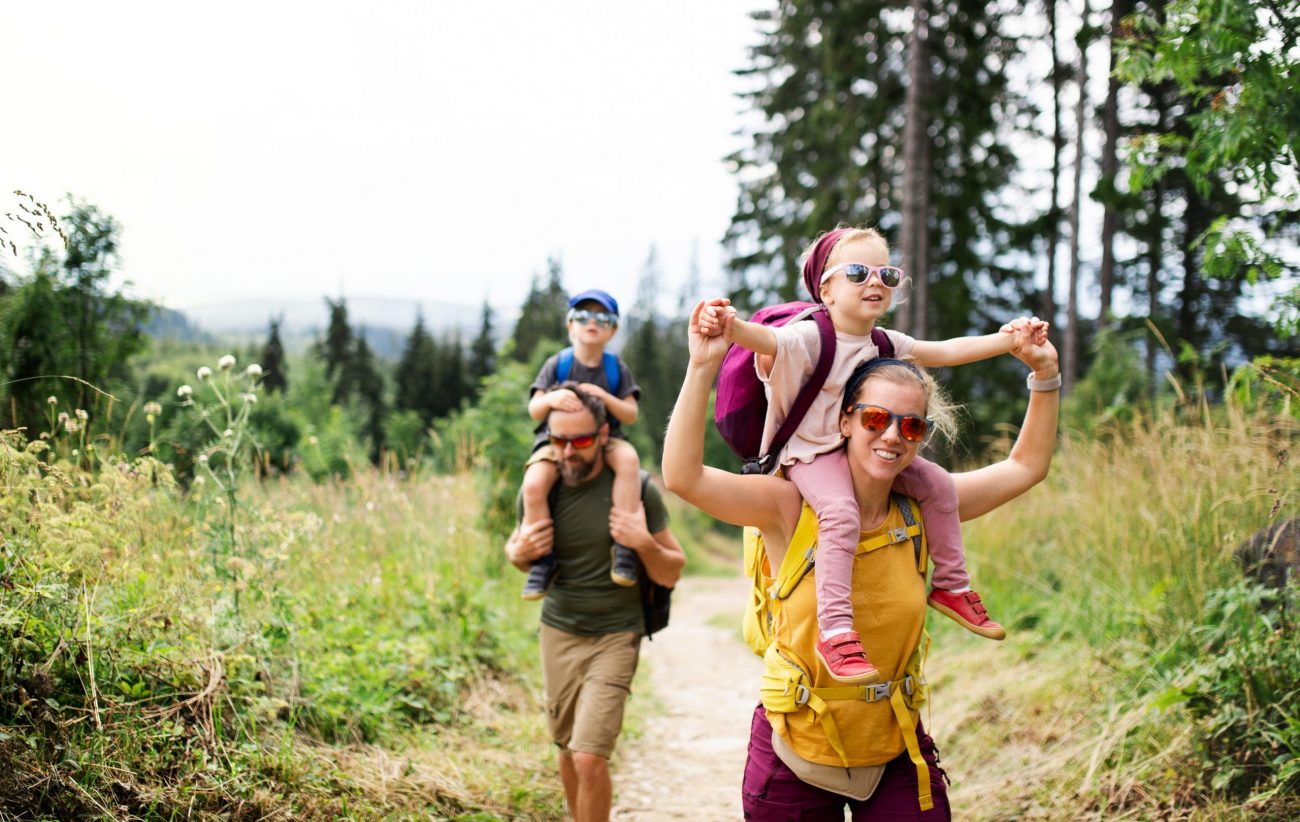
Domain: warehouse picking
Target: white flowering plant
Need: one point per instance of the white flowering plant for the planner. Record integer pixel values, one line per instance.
(223, 400)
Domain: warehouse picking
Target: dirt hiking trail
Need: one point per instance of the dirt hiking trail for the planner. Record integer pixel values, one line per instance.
(688, 762)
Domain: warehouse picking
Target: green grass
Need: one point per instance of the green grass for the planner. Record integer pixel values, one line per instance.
(1105, 578)
(360, 654)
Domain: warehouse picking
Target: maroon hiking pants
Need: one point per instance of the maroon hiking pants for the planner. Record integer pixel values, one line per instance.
(772, 793)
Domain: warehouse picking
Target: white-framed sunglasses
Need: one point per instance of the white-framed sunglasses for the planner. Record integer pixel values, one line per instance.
(890, 276)
(582, 316)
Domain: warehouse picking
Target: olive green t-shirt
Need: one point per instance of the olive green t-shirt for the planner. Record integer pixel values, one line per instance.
(584, 600)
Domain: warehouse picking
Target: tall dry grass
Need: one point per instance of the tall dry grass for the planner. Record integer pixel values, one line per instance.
(1102, 575)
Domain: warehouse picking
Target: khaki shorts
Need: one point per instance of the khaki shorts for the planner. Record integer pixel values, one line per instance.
(544, 453)
(588, 679)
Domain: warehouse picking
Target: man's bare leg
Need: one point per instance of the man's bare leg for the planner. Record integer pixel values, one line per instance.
(595, 788)
(569, 777)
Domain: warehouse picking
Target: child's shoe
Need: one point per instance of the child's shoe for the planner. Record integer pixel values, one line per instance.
(968, 611)
(845, 660)
(541, 576)
(622, 568)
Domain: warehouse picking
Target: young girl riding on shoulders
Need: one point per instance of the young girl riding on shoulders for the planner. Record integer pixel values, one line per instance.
(848, 271)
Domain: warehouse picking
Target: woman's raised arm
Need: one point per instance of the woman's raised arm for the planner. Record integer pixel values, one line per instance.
(733, 498)
(984, 489)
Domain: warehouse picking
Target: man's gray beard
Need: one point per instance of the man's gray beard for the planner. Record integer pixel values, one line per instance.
(574, 472)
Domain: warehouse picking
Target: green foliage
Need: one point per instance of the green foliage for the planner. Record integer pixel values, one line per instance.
(64, 331)
(336, 349)
(542, 315)
(1237, 61)
(274, 365)
(1241, 686)
(493, 439)
(482, 352)
(367, 620)
(1270, 384)
(1115, 387)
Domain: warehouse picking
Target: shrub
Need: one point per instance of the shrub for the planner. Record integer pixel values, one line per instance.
(1241, 686)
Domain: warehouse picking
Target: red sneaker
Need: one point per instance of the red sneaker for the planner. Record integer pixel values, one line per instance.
(968, 611)
(846, 661)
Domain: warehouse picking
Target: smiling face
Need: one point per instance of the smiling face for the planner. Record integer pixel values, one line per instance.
(882, 455)
(591, 332)
(856, 309)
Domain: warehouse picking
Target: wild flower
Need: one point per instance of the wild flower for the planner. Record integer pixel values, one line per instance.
(152, 407)
(82, 415)
(249, 397)
(63, 417)
(204, 373)
(184, 391)
(52, 400)
(226, 362)
(253, 370)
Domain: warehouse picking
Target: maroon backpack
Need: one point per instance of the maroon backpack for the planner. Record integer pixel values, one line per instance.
(741, 407)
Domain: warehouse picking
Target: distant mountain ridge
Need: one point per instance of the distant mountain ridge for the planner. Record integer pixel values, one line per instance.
(386, 321)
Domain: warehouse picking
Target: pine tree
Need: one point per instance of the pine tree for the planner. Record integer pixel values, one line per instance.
(914, 232)
(337, 347)
(451, 377)
(275, 368)
(482, 352)
(542, 314)
(1070, 369)
(1107, 192)
(416, 387)
(363, 375)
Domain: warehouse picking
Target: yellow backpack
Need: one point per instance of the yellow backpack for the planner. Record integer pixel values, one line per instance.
(794, 689)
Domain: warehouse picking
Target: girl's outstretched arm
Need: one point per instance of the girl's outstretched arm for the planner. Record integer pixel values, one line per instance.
(1013, 336)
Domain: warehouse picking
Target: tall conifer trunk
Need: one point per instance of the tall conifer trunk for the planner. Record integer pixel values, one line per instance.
(1048, 307)
(1109, 168)
(914, 238)
(1155, 250)
(1071, 369)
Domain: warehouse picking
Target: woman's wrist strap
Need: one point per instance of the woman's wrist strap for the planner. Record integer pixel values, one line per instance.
(1051, 384)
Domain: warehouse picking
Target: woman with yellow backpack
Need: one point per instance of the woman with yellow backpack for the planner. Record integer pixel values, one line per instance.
(816, 745)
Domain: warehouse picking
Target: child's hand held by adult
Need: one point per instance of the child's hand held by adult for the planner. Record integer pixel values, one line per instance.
(707, 349)
(564, 400)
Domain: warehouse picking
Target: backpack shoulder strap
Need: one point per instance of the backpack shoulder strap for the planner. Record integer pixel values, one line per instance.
(612, 376)
(808, 392)
(564, 365)
(882, 342)
(800, 555)
(907, 507)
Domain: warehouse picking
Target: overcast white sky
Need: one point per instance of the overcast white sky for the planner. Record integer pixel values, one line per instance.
(432, 150)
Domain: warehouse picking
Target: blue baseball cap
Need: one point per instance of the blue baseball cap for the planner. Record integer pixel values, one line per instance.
(596, 295)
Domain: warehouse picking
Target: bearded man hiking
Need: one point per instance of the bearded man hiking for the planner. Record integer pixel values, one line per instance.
(591, 628)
